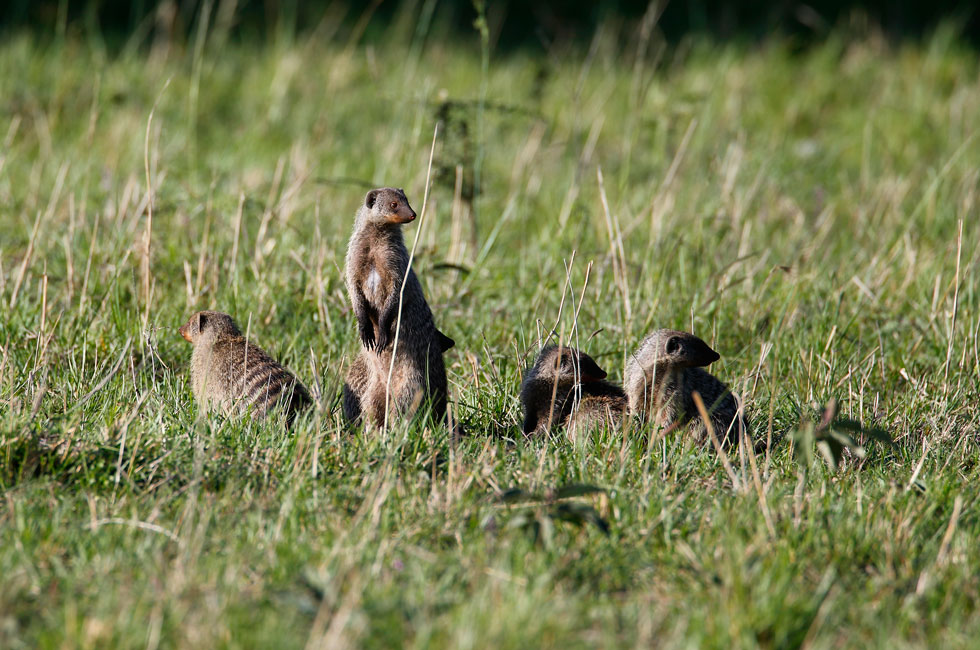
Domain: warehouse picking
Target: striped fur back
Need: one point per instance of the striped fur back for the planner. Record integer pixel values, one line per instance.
(244, 377)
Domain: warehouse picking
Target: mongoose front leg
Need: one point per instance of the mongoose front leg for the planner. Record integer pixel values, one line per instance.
(364, 326)
(530, 421)
(388, 313)
(386, 321)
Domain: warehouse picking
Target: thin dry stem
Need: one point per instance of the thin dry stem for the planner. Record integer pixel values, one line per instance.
(408, 270)
(699, 403)
(148, 233)
(616, 250)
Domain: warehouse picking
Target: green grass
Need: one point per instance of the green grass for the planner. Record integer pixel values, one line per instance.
(800, 212)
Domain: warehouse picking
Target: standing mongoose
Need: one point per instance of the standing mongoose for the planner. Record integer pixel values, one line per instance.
(377, 261)
(663, 374)
(548, 392)
(233, 375)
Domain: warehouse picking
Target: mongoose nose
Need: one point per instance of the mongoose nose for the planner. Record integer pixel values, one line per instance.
(402, 217)
(183, 332)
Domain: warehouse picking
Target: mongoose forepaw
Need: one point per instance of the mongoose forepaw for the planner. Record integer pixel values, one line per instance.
(367, 336)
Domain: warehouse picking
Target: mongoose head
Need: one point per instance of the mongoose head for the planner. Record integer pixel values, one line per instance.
(208, 324)
(547, 392)
(675, 349)
(388, 205)
(568, 365)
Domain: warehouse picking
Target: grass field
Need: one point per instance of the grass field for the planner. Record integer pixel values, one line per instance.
(813, 216)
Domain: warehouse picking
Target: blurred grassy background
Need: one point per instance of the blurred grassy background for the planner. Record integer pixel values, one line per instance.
(810, 212)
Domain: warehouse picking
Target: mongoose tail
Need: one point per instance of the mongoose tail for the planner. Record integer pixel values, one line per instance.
(445, 343)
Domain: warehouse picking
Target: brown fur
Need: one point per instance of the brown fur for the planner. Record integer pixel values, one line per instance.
(662, 376)
(552, 384)
(377, 261)
(596, 411)
(235, 376)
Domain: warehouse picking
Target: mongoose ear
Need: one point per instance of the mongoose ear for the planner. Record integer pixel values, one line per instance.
(370, 199)
(691, 351)
(201, 321)
(590, 369)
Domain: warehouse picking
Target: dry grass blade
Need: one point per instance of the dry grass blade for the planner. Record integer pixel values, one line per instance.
(616, 251)
(699, 403)
(135, 523)
(148, 232)
(408, 270)
(745, 443)
(105, 380)
(26, 261)
(950, 531)
(956, 297)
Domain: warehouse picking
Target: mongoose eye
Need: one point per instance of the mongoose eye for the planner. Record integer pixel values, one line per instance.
(394, 204)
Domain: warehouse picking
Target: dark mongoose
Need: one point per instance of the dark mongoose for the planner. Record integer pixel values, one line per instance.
(377, 261)
(235, 376)
(663, 374)
(550, 387)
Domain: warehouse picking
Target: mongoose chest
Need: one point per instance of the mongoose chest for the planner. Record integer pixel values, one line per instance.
(375, 288)
(378, 279)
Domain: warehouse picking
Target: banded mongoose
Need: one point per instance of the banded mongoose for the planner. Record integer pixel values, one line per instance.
(377, 261)
(233, 375)
(661, 377)
(559, 377)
